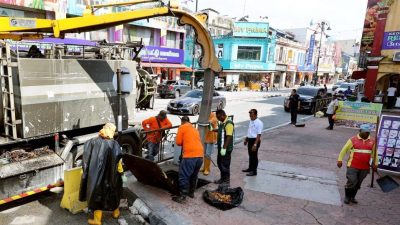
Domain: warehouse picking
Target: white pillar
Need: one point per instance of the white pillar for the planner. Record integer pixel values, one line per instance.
(283, 80)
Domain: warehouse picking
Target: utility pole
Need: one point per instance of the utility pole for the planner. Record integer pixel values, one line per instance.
(194, 51)
(322, 26)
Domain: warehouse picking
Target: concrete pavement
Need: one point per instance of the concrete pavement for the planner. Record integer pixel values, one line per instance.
(297, 183)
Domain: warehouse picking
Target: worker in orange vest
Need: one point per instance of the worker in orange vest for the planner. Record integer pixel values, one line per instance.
(192, 158)
(211, 140)
(362, 149)
(154, 138)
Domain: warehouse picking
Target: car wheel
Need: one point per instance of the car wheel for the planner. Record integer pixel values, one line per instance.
(196, 110)
(177, 94)
(200, 87)
(220, 106)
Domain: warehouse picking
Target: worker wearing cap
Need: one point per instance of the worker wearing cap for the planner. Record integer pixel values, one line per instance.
(225, 147)
(192, 158)
(101, 182)
(253, 141)
(154, 138)
(362, 149)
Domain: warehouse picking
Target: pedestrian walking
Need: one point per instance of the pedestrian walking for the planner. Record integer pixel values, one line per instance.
(192, 157)
(253, 142)
(362, 149)
(225, 147)
(101, 182)
(211, 140)
(391, 94)
(154, 138)
(331, 111)
(267, 86)
(326, 88)
(294, 106)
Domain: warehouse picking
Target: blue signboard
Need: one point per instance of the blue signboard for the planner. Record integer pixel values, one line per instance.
(310, 53)
(250, 29)
(157, 54)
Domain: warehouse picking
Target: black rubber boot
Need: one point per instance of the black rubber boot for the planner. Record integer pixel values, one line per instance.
(353, 196)
(347, 196)
(180, 198)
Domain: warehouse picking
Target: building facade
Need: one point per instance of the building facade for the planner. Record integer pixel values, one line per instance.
(247, 54)
(312, 40)
(218, 24)
(290, 55)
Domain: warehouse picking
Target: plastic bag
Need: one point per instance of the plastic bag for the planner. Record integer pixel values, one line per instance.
(224, 200)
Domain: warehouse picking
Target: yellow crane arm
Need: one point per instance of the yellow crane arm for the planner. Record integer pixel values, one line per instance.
(88, 23)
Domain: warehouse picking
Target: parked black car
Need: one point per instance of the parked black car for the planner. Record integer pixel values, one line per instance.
(308, 96)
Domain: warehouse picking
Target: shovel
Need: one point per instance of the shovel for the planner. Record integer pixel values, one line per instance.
(386, 183)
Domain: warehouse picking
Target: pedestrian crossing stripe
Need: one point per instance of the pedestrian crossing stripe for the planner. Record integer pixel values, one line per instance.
(29, 193)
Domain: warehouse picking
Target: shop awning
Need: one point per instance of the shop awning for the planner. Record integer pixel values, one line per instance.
(164, 65)
(362, 74)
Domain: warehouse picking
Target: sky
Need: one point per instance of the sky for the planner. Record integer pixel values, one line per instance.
(345, 16)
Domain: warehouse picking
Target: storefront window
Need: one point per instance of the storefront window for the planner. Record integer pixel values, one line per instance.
(249, 53)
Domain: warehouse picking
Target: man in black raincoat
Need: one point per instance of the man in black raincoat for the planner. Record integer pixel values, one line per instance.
(101, 184)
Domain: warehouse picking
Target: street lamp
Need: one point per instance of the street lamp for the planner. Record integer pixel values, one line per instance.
(321, 25)
(194, 51)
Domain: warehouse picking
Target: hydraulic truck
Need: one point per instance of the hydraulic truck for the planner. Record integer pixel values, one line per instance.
(52, 104)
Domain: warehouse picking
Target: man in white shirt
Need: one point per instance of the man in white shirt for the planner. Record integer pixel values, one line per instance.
(253, 141)
(391, 96)
(331, 111)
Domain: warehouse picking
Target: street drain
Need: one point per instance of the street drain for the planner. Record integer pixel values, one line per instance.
(174, 177)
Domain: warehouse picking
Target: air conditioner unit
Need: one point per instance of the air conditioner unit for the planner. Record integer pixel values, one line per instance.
(396, 57)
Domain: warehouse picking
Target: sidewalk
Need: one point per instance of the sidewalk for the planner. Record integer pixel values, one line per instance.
(297, 183)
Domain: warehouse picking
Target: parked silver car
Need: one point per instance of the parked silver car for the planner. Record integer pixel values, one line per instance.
(189, 104)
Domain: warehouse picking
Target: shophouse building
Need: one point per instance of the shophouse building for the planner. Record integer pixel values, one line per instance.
(247, 54)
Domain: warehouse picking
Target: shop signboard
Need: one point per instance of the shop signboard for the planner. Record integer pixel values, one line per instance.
(306, 68)
(250, 29)
(279, 67)
(310, 52)
(353, 114)
(388, 143)
(376, 10)
(249, 66)
(292, 68)
(391, 40)
(161, 55)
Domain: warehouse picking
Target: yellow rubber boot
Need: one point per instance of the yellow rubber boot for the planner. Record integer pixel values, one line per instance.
(96, 218)
(207, 163)
(116, 213)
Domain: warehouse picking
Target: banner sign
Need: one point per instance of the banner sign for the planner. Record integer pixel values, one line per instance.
(250, 29)
(310, 52)
(161, 55)
(388, 143)
(354, 114)
(391, 40)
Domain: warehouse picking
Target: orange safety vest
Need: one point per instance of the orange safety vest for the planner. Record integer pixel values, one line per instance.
(361, 152)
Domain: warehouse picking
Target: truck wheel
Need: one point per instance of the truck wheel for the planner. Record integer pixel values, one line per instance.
(129, 145)
(177, 94)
